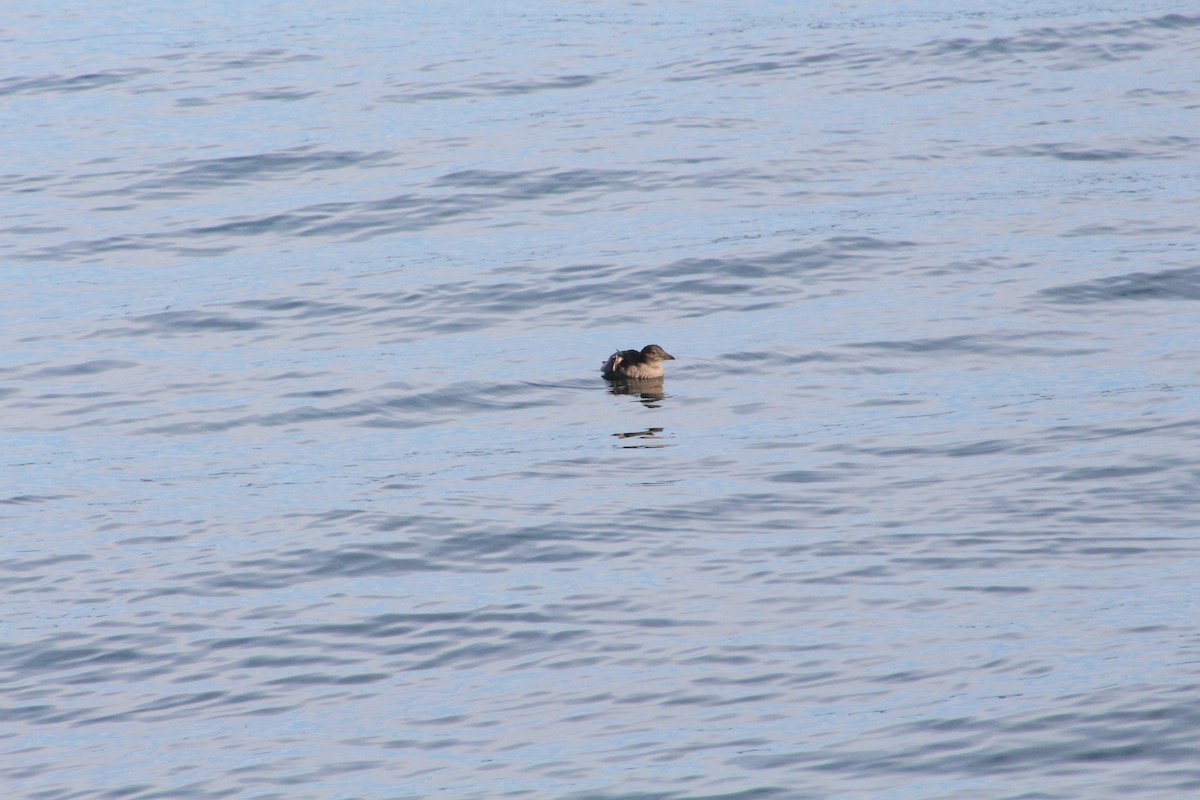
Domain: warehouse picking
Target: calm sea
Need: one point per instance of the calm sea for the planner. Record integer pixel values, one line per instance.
(311, 488)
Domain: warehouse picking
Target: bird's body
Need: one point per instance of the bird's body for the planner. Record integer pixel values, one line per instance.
(637, 365)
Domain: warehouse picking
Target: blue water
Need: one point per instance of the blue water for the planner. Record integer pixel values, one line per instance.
(312, 488)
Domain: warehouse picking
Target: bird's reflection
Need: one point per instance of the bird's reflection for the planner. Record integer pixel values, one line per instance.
(649, 392)
(639, 439)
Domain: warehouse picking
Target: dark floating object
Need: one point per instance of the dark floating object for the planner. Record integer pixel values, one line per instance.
(637, 365)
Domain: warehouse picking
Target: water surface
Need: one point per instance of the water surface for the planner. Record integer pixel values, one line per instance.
(312, 487)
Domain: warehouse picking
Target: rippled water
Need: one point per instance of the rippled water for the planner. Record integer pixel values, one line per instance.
(312, 488)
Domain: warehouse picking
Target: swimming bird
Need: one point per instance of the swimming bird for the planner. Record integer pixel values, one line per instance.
(636, 365)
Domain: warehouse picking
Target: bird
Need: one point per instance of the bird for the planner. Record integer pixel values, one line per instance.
(637, 365)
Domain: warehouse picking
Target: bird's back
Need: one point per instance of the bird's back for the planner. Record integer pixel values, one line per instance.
(616, 360)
